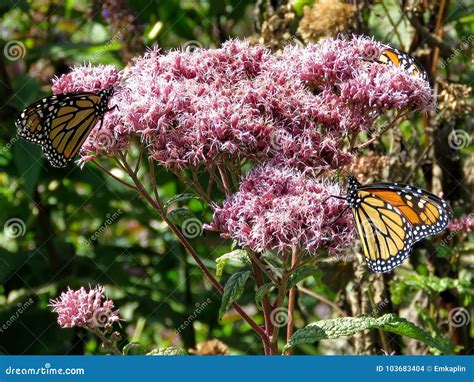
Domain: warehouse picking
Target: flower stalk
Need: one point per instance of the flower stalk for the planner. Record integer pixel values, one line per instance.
(157, 205)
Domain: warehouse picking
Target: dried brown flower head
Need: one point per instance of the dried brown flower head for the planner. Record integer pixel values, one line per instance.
(325, 18)
(455, 100)
(369, 168)
(275, 26)
(212, 347)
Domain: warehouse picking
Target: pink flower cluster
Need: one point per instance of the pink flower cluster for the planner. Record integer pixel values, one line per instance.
(277, 208)
(463, 224)
(84, 308)
(289, 112)
(242, 101)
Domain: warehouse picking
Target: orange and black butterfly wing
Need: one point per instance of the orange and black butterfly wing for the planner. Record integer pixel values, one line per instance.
(385, 233)
(32, 122)
(72, 124)
(61, 123)
(427, 214)
(403, 61)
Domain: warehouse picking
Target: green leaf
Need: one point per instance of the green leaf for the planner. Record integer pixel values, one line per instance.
(261, 292)
(347, 326)
(431, 285)
(301, 273)
(133, 348)
(180, 198)
(179, 215)
(238, 255)
(298, 6)
(167, 351)
(233, 290)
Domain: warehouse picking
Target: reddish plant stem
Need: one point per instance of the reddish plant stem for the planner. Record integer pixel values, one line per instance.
(438, 31)
(157, 205)
(291, 299)
(224, 179)
(113, 176)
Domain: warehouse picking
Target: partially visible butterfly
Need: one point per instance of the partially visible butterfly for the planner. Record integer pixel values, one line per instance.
(391, 217)
(61, 123)
(403, 61)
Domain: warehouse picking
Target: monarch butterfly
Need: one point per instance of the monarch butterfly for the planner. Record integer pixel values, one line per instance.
(403, 61)
(391, 217)
(61, 123)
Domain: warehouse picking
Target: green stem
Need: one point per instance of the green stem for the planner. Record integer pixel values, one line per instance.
(278, 305)
(108, 344)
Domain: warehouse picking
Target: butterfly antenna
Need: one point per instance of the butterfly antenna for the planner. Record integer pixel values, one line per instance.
(334, 196)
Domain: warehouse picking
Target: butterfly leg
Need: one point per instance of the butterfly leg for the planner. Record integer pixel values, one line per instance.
(334, 196)
(337, 217)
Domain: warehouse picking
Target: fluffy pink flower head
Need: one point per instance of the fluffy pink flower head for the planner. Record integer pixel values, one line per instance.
(278, 208)
(94, 79)
(196, 108)
(463, 224)
(360, 87)
(84, 308)
(86, 78)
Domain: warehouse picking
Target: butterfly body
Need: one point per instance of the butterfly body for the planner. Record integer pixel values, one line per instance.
(61, 123)
(403, 61)
(391, 217)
